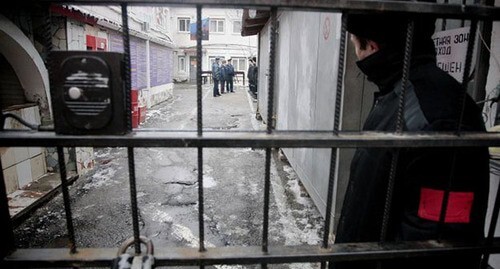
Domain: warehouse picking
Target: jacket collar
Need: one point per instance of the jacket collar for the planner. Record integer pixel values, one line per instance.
(385, 67)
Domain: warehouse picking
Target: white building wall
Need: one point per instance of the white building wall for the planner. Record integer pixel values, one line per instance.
(228, 44)
(307, 63)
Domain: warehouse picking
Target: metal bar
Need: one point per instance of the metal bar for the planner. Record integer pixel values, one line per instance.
(364, 6)
(267, 190)
(290, 139)
(66, 199)
(130, 150)
(133, 199)
(465, 80)
(201, 223)
(336, 124)
(54, 257)
(399, 129)
(466, 75)
(7, 234)
(483, 59)
(462, 24)
(269, 130)
(272, 70)
(198, 71)
(443, 24)
(127, 66)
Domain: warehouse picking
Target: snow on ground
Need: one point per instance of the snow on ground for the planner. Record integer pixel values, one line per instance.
(101, 178)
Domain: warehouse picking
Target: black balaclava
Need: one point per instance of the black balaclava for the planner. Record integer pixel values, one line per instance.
(389, 31)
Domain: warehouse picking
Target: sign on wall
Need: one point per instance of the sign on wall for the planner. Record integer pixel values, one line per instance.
(204, 29)
(451, 49)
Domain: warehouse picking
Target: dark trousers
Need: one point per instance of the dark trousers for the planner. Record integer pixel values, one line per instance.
(216, 87)
(222, 83)
(229, 85)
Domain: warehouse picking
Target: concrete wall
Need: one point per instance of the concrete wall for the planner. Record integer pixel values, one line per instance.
(306, 83)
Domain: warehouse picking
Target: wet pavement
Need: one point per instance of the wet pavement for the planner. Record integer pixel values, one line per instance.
(168, 189)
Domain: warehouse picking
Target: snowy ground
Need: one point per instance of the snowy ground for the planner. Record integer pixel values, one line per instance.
(168, 190)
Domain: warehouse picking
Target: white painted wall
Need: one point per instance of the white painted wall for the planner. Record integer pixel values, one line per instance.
(307, 63)
(228, 44)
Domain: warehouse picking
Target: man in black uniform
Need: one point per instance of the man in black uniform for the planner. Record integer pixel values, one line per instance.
(423, 175)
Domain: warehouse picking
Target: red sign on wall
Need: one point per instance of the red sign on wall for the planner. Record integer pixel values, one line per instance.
(96, 43)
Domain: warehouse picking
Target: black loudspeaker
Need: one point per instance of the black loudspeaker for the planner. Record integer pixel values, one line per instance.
(88, 95)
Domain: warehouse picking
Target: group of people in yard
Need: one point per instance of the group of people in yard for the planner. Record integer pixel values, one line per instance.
(223, 74)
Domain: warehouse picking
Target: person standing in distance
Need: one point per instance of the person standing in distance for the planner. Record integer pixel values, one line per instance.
(229, 76)
(216, 75)
(433, 103)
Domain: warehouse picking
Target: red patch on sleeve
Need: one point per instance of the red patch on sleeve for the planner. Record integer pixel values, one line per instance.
(458, 210)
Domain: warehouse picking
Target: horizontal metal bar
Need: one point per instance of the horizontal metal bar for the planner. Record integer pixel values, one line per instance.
(246, 255)
(420, 8)
(282, 139)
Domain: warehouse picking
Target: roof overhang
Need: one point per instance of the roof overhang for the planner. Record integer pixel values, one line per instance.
(252, 25)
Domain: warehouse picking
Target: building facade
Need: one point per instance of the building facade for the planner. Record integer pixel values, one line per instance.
(222, 38)
(26, 91)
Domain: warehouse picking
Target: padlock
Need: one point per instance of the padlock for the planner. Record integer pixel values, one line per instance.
(124, 261)
(127, 261)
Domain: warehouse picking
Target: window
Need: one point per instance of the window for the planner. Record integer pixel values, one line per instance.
(236, 27)
(182, 63)
(217, 25)
(240, 64)
(183, 24)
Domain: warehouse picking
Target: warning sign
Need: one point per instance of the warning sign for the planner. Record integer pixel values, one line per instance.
(451, 49)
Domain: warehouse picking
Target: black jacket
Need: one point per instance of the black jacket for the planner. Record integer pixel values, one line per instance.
(433, 103)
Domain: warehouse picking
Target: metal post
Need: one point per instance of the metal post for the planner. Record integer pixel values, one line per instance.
(336, 124)
(201, 222)
(66, 198)
(399, 130)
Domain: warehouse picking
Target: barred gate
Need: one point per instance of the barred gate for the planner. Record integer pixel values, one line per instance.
(264, 254)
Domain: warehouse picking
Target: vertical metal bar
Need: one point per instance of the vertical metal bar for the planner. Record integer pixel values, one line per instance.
(126, 66)
(399, 129)
(492, 228)
(443, 24)
(483, 60)
(130, 151)
(272, 70)
(270, 111)
(7, 234)
(200, 130)
(468, 61)
(267, 191)
(198, 69)
(66, 199)
(465, 81)
(463, 4)
(336, 124)
(133, 199)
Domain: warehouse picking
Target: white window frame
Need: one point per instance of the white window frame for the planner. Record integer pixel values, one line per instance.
(217, 29)
(183, 21)
(182, 63)
(237, 65)
(234, 24)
